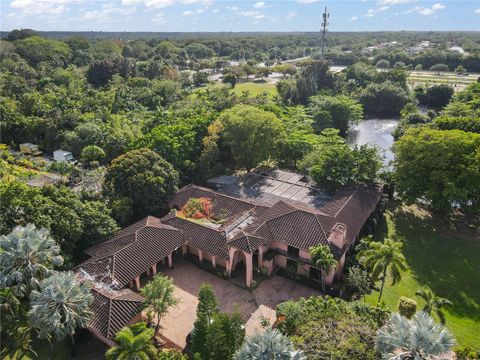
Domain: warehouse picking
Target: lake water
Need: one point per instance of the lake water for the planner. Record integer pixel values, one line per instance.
(375, 132)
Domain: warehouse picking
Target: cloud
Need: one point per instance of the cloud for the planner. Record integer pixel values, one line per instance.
(425, 11)
(394, 2)
(106, 12)
(307, 1)
(259, 5)
(256, 15)
(233, 8)
(187, 13)
(214, 11)
(41, 7)
(158, 18)
(353, 18)
(477, 11)
(290, 15)
(373, 12)
(165, 3)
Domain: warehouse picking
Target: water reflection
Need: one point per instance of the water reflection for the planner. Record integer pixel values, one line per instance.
(375, 132)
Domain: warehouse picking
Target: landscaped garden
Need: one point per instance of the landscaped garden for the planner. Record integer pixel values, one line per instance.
(441, 257)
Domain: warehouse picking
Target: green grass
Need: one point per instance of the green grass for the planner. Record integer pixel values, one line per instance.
(444, 260)
(256, 88)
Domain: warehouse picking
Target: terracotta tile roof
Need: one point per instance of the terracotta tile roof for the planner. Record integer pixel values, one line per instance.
(132, 251)
(247, 243)
(200, 236)
(298, 228)
(112, 310)
(358, 208)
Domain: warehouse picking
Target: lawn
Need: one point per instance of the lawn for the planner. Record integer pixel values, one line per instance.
(256, 88)
(441, 258)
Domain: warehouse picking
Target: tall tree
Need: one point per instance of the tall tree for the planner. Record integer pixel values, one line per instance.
(133, 343)
(143, 177)
(434, 303)
(438, 166)
(381, 257)
(251, 134)
(159, 297)
(207, 307)
(339, 112)
(27, 256)
(418, 338)
(322, 257)
(60, 306)
(268, 345)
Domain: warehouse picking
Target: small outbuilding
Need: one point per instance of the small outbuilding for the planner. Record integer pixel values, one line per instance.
(62, 155)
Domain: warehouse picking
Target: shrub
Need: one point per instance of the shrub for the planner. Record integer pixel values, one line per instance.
(197, 208)
(465, 353)
(407, 307)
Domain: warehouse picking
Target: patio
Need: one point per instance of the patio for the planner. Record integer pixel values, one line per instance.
(253, 305)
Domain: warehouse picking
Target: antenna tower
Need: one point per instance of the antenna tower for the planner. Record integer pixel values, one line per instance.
(324, 30)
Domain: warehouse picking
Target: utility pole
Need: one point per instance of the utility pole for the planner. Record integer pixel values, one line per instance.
(324, 30)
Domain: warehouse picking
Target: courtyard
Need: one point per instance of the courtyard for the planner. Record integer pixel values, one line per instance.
(253, 305)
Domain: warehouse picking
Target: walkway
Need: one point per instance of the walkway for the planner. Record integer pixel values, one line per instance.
(254, 306)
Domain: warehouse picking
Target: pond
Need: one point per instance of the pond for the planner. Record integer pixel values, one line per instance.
(375, 132)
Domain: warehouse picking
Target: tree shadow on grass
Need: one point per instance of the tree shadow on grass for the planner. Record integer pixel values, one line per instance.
(445, 261)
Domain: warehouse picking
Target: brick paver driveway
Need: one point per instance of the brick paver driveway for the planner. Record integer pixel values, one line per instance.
(252, 305)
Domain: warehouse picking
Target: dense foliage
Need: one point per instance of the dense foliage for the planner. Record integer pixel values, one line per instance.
(76, 222)
(331, 328)
(141, 181)
(439, 166)
(216, 335)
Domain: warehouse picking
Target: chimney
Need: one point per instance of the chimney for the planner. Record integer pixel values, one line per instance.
(338, 235)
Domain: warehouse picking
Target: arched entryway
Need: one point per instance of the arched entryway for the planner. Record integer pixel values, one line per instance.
(241, 266)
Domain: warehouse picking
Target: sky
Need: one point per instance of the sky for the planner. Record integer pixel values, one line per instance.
(216, 15)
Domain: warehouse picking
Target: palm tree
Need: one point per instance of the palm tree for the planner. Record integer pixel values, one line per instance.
(434, 303)
(269, 345)
(418, 338)
(133, 343)
(61, 305)
(27, 256)
(379, 257)
(323, 259)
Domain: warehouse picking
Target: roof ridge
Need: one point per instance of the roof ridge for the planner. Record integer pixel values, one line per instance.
(109, 314)
(276, 217)
(321, 227)
(346, 202)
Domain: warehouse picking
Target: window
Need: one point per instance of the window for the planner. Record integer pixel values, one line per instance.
(293, 251)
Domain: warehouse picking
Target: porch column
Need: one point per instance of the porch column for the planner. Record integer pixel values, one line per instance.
(184, 249)
(154, 269)
(148, 272)
(200, 255)
(137, 283)
(131, 284)
(260, 257)
(170, 261)
(249, 269)
(214, 261)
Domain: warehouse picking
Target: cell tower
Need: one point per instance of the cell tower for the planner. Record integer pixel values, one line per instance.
(326, 15)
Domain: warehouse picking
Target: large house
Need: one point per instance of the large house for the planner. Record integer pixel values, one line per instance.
(264, 220)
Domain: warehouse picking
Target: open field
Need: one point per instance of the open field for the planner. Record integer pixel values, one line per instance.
(429, 77)
(441, 258)
(256, 88)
